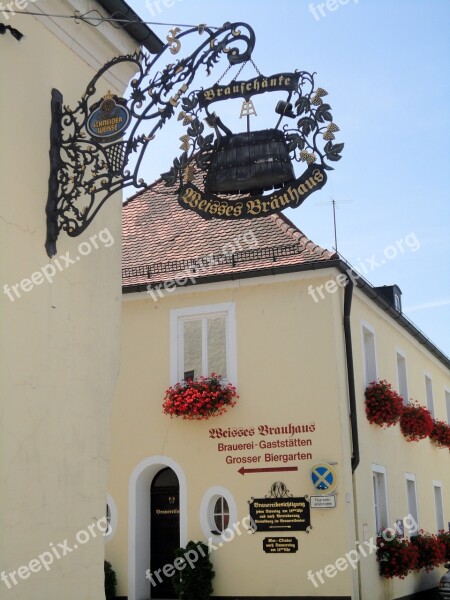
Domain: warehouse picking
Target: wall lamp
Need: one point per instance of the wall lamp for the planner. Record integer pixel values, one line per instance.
(14, 32)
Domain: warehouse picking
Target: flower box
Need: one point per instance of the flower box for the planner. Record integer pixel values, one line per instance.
(384, 405)
(198, 399)
(440, 434)
(416, 422)
(396, 557)
(431, 550)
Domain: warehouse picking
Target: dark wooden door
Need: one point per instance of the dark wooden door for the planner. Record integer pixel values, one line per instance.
(165, 529)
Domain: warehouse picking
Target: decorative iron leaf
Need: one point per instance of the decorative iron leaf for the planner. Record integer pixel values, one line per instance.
(323, 114)
(188, 104)
(303, 105)
(169, 178)
(184, 160)
(307, 125)
(209, 139)
(333, 151)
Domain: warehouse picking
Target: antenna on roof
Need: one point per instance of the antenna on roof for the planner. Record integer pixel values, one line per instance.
(333, 202)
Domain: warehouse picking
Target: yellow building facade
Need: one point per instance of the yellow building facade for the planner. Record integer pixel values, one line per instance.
(266, 293)
(60, 317)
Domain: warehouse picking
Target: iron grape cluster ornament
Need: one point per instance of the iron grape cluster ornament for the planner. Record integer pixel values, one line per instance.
(251, 174)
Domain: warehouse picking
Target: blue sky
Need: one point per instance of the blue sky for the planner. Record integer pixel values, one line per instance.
(386, 67)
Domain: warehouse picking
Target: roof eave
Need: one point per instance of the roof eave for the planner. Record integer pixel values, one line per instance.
(137, 29)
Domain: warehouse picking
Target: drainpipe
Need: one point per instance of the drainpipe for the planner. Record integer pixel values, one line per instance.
(348, 294)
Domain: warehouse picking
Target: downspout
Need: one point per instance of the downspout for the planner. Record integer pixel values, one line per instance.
(348, 294)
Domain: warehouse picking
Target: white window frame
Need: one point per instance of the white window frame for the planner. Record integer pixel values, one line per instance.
(412, 478)
(429, 393)
(380, 470)
(207, 511)
(365, 327)
(178, 316)
(438, 484)
(447, 403)
(404, 393)
(114, 517)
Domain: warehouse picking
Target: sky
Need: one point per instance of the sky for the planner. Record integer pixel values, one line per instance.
(386, 67)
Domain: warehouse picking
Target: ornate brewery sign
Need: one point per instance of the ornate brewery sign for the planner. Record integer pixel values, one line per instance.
(251, 174)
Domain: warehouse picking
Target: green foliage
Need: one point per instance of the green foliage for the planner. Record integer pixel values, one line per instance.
(194, 582)
(110, 581)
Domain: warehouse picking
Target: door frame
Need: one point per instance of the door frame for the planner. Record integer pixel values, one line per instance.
(139, 512)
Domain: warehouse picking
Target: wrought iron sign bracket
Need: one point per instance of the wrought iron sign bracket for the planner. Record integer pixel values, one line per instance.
(89, 152)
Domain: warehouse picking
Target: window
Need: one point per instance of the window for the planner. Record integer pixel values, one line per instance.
(411, 496)
(447, 403)
(111, 518)
(203, 342)
(402, 378)
(397, 302)
(429, 394)
(370, 364)
(438, 505)
(220, 516)
(380, 497)
(218, 511)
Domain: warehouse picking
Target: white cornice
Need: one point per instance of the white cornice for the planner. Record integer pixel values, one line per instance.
(95, 45)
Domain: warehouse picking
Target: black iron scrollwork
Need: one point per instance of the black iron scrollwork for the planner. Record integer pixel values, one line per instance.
(279, 490)
(311, 142)
(87, 169)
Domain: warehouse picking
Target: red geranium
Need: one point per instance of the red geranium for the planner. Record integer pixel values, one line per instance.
(444, 536)
(383, 405)
(431, 550)
(396, 557)
(416, 422)
(440, 434)
(201, 398)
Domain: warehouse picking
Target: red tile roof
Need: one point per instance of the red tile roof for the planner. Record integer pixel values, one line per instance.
(161, 241)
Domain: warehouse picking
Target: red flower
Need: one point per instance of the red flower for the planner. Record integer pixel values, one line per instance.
(440, 434)
(396, 556)
(383, 405)
(199, 398)
(416, 422)
(444, 537)
(431, 550)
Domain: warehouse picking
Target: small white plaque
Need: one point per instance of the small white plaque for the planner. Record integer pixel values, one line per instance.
(322, 501)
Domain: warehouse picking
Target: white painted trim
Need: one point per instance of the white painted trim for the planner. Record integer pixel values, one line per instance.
(228, 309)
(94, 45)
(412, 477)
(402, 353)
(428, 376)
(366, 326)
(139, 519)
(447, 406)
(114, 518)
(438, 484)
(210, 497)
(382, 470)
(378, 468)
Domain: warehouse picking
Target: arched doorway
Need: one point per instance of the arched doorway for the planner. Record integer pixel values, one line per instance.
(140, 483)
(164, 529)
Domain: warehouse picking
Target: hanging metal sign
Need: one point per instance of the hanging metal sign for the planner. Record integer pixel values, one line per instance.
(251, 174)
(246, 89)
(89, 153)
(245, 175)
(108, 120)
